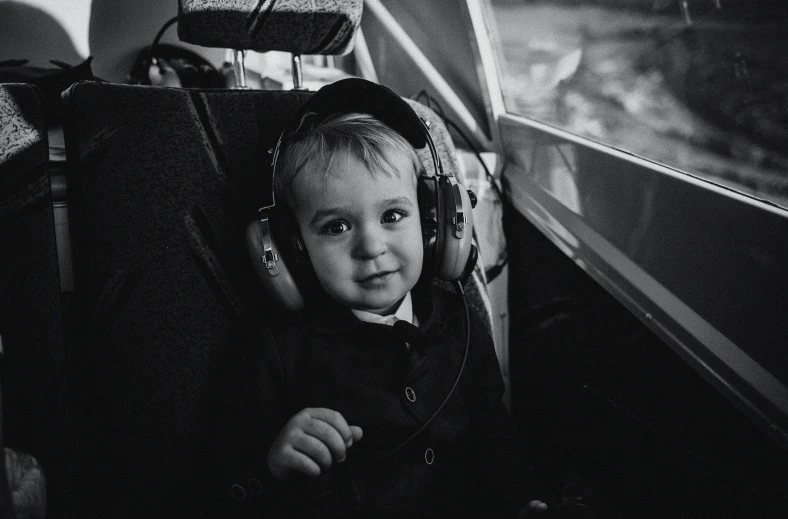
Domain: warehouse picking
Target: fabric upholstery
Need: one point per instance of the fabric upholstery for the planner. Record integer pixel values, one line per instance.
(31, 318)
(296, 26)
(165, 181)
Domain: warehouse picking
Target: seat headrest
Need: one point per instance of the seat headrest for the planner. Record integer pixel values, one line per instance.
(295, 26)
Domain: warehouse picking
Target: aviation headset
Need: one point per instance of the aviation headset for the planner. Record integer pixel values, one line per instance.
(445, 207)
(190, 69)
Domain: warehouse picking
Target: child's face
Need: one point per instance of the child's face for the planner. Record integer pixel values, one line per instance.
(362, 230)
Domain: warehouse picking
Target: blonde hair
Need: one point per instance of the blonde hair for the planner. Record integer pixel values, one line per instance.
(352, 134)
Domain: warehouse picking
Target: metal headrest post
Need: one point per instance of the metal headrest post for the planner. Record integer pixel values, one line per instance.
(239, 68)
(298, 75)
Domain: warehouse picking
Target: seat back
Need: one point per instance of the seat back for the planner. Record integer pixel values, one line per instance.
(31, 316)
(162, 184)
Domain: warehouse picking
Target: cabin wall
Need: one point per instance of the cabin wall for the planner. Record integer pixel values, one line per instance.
(112, 31)
(596, 394)
(443, 21)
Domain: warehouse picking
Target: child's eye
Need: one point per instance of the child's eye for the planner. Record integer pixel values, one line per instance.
(335, 227)
(393, 216)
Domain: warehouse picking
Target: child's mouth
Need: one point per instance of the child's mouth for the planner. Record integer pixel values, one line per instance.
(377, 278)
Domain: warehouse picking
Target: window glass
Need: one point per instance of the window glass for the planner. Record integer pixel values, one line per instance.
(697, 85)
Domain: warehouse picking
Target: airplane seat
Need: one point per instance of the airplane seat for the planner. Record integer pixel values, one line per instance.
(162, 182)
(31, 312)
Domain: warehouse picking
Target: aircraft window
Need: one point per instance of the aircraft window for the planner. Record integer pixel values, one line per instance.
(697, 85)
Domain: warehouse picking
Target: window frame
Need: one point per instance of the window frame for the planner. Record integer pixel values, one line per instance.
(678, 321)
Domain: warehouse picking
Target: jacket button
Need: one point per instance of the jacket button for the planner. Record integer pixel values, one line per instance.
(255, 486)
(410, 394)
(238, 492)
(429, 456)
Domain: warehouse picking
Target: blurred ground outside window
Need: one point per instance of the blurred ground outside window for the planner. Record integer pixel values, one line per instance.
(700, 86)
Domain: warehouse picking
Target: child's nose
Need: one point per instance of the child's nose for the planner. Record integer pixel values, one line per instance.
(370, 244)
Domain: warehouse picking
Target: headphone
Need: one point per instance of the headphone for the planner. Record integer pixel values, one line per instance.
(163, 64)
(445, 207)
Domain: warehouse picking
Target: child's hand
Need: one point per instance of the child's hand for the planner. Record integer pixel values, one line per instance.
(533, 509)
(310, 442)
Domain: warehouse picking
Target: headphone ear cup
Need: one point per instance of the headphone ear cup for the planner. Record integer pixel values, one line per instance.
(277, 282)
(447, 246)
(457, 235)
(163, 75)
(169, 65)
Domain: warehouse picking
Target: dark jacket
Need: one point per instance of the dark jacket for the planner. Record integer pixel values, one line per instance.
(465, 461)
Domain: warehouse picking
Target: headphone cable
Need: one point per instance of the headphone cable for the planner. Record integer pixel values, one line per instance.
(458, 286)
(155, 43)
(346, 476)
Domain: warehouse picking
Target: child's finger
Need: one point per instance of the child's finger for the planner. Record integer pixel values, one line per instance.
(314, 448)
(328, 435)
(537, 505)
(300, 462)
(356, 432)
(335, 419)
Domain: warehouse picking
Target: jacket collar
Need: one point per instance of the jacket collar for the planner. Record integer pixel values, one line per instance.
(329, 318)
(404, 313)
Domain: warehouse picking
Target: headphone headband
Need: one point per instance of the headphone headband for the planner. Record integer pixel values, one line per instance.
(362, 96)
(355, 95)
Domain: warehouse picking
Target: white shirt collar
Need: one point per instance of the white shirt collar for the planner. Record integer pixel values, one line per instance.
(403, 313)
